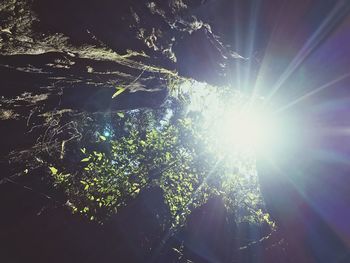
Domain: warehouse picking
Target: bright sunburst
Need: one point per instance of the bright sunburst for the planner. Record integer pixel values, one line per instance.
(235, 124)
(243, 129)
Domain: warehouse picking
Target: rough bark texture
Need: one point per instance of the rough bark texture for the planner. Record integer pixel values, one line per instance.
(71, 56)
(60, 64)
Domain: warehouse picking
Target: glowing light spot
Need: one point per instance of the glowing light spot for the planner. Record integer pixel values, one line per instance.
(236, 124)
(242, 130)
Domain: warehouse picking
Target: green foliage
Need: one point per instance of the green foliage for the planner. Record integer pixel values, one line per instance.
(151, 150)
(60, 179)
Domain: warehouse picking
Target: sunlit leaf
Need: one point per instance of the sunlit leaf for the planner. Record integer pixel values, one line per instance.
(118, 92)
(121, 114)
(53, 170)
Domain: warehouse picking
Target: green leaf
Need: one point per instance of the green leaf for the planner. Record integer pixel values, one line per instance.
(167, 156)
(121, 114)
(83, 150)
(118, 92)
(103, 138)
(53, 170)
(85, 159)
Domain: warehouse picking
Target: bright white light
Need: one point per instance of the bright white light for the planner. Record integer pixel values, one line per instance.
(243, 130)
(236, 125)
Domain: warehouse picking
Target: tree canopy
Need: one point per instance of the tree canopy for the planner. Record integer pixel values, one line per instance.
(166, 148)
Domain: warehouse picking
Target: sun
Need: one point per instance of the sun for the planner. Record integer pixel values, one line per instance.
(243, 129)
(236, 131)
(235, 124)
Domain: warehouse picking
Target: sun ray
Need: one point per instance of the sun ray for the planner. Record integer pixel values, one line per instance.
(321, 33)
(251, 40)
(313, 92)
